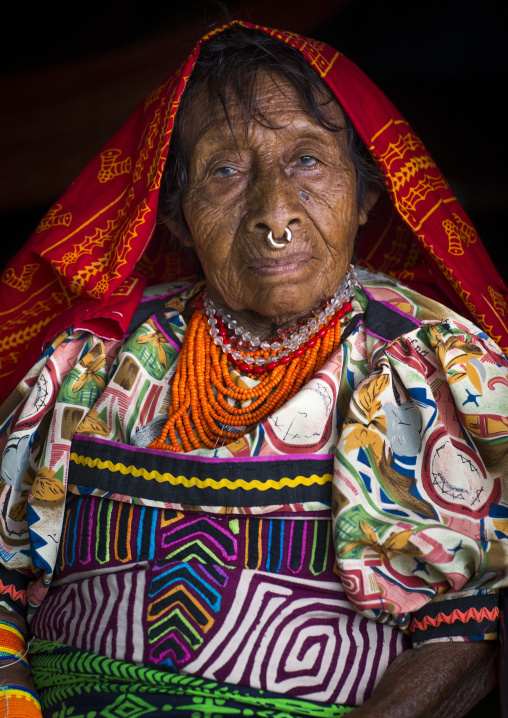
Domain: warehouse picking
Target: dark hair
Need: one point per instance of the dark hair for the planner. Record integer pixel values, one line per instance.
(228, 65)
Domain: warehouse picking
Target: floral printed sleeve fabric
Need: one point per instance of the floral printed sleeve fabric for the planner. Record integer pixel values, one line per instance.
(421, 471)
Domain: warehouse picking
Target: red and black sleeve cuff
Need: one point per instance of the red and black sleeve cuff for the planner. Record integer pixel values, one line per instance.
(467, 618)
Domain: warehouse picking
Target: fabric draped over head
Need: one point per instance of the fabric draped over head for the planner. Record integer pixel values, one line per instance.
(91, 256)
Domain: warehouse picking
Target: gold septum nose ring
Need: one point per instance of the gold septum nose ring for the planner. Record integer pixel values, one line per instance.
(274, 244)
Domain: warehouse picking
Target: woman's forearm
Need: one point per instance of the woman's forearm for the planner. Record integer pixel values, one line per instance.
(436, 680)
(13, 668)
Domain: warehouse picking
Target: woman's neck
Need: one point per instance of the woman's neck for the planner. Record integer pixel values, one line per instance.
(267, 327)
(263, 327)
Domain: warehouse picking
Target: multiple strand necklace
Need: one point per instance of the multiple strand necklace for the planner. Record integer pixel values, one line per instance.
(212, 403)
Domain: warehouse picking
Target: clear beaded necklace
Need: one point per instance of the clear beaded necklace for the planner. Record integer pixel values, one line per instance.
(252, 354)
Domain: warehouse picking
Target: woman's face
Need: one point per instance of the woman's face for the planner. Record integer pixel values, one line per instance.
(298, 175)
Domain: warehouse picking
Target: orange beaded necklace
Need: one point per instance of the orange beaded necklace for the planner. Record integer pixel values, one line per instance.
(208, 408)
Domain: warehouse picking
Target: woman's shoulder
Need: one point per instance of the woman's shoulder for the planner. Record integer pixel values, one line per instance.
(384, 288)
(398, 310)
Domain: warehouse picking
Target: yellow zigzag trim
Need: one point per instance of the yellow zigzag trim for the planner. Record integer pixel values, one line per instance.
(201, 483)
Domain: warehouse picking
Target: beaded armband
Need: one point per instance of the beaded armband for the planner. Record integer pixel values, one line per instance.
(12, 645)
(463, 618)
(15, 701)
(18, 702)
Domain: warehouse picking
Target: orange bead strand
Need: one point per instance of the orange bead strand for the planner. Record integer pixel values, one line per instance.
(207, 407)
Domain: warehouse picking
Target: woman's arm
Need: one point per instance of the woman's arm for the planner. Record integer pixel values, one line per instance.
(14, 672)
(426, 482)
(17, 693)
(436, 680)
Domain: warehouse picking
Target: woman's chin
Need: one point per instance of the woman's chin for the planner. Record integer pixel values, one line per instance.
(283, 306)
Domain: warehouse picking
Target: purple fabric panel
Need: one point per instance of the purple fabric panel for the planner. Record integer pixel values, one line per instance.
(194, 594)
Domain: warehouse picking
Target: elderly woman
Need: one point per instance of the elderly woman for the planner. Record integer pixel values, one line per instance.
(278, 487)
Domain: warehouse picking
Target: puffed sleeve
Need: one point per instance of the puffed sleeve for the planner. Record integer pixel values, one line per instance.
(421, 484)
(25, 418)
(37, 424)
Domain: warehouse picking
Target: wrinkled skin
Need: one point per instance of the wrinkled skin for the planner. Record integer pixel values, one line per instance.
(436, 680)
(285, 172)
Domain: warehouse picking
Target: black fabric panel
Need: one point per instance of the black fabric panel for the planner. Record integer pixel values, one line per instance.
(355, 321)
(18, 582)
(253, 525)
(144, 550)
(296, 546)
(321, 546)
(145, 311)
(275, 547)
(71, 521)
(386, 322)
(87, 530)
(462, 616)
(123, 529)
(128, 483)
(167, 328)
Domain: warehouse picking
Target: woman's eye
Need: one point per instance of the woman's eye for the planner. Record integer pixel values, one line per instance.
(307, 161)
(224, 172)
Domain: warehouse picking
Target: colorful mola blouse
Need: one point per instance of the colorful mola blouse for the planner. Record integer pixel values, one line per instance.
(370, 508)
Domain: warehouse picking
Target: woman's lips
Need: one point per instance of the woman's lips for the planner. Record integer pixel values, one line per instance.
(277, 266)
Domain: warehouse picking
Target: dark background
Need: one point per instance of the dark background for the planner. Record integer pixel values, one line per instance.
(71, 73)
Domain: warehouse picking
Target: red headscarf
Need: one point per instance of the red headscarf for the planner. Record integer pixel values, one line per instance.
(90, 257)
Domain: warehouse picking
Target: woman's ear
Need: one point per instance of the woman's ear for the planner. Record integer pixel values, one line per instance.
(180, 231)
(368, 203)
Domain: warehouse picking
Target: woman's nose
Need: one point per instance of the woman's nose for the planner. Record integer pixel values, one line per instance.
(273, 204)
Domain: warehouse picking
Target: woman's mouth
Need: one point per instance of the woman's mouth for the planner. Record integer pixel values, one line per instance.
(278, 266)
